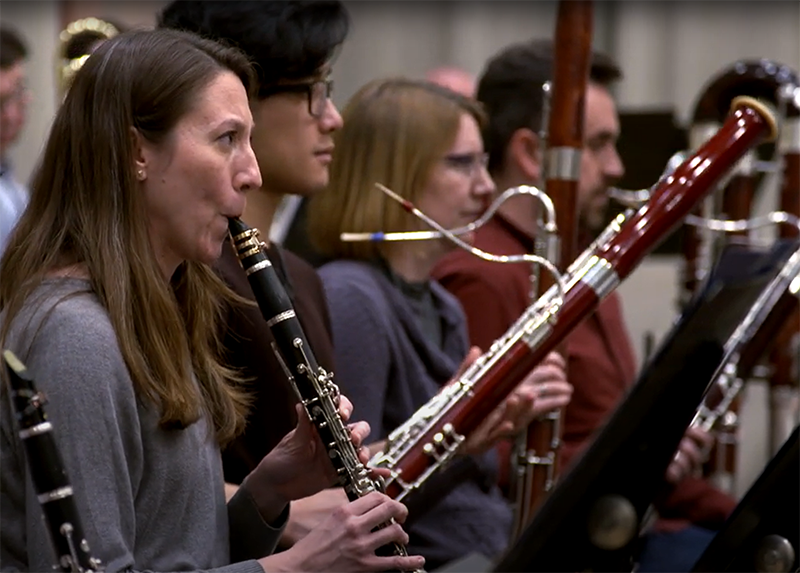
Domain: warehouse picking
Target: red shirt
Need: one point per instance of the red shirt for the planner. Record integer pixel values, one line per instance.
(600, 361)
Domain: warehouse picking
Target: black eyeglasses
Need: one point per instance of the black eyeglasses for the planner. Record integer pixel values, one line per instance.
(317, 91)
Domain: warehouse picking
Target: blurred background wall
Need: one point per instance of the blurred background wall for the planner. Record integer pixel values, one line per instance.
(667, 50)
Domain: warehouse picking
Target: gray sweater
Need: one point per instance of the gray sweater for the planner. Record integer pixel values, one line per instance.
(388, 368)
(149, 499)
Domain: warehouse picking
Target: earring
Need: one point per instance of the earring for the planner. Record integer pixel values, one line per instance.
(140, 174)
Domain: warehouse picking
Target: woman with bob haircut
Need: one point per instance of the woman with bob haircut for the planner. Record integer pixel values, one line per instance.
(107, 296)
(398, 335)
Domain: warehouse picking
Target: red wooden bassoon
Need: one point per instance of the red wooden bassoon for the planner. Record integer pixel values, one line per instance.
(432, 436)
(785, 358)
(537, 461)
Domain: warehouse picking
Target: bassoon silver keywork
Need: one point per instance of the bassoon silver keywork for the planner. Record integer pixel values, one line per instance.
(433, 435)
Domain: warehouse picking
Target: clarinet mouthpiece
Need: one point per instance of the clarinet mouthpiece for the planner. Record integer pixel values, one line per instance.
(236, 226)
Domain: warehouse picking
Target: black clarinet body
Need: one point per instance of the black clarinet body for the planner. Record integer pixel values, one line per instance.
(313, 385)
(48, 472)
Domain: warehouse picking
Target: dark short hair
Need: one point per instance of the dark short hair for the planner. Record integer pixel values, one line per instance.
(285, 40)
(510, 88)
(12, 48)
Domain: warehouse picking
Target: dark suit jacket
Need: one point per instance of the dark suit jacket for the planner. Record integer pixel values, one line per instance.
(248, 348)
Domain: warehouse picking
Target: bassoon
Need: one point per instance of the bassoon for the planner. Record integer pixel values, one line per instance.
(763, 532)
(767, 80)
(432, 436)
(536, 457)
(762, 79)
(592, 519)
(785, 357)
(737, 201)
(754, 336)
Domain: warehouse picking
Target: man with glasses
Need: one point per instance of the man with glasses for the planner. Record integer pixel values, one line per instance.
(318, 92)
(14, 98)
(289, 227)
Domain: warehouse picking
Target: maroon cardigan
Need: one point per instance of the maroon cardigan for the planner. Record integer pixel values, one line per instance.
(601, 365)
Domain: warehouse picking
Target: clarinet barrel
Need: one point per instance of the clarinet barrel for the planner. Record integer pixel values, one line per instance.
(48, 472)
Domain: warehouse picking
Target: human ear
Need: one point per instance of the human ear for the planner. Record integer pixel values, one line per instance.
(524, 153)
(140, 154)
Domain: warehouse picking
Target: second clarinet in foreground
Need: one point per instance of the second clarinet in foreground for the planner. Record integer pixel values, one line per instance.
(48, 472)
(313, 385)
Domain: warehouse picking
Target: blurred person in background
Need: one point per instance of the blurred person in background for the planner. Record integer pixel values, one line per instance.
(14, 99)
(453, 78)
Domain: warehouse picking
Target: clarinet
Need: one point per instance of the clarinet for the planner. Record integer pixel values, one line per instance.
(312, 384)
(47, 469)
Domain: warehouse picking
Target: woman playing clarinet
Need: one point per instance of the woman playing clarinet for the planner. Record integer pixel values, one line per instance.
(109, 299)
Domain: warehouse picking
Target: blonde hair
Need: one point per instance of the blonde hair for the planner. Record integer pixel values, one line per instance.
(395, 130)
(86, 209)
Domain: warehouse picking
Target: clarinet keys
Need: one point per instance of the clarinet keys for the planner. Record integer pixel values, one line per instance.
(48, 472)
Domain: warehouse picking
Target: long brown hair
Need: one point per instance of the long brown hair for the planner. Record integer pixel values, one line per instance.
(86, 209)
(394, 132)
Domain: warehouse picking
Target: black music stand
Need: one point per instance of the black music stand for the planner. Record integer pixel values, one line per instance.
(592, 519)
(763, 532)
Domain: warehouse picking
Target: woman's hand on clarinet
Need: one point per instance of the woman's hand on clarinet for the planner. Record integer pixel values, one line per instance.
(544, 389)
(347, 538)
(309, 512)
(299, 466)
